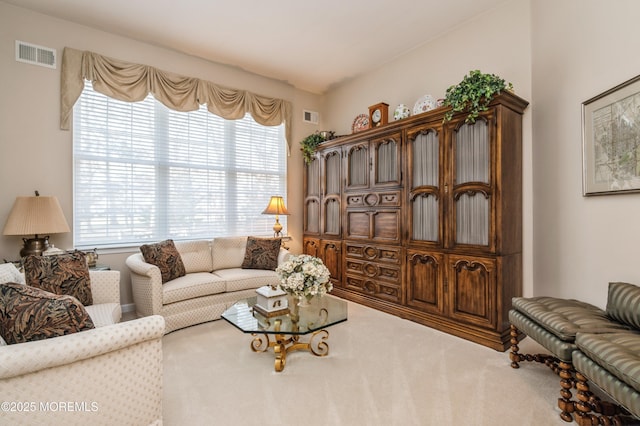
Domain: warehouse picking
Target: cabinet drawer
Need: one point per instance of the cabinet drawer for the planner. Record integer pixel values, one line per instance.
(373, 253)
(373, 270)
(378, 289)
(374, 199)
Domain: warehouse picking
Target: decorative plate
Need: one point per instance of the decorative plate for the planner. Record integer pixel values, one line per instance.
(402, 111)
(424, 104)
(360, 123)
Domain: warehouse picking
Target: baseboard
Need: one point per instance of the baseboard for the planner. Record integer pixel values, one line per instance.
(129, 307)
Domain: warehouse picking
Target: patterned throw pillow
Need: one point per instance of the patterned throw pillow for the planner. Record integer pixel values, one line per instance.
(29, 313)
(262, 253)
(166, 257)
(60, 274)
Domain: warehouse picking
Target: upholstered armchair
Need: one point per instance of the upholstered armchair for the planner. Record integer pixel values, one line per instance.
(110, 374)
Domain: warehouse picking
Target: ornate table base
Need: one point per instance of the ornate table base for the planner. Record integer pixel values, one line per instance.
(281, 344)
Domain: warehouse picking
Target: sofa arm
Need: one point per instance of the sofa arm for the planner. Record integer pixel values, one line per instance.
(107, 375)
(146, 285)
(105, 286)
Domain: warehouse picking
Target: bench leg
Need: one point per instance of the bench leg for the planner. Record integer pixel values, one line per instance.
(561, 368)
(516, 357)
(566, 383)
(606, 413)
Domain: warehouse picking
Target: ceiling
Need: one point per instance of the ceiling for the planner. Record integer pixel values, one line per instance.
(312, 46)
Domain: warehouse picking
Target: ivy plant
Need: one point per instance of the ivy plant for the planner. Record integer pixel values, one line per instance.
(473, 94)
(310, 144)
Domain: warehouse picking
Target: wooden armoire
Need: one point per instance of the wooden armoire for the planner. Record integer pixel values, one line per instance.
(423, 219)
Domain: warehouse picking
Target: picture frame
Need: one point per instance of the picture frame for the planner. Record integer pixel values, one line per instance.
(611, 141)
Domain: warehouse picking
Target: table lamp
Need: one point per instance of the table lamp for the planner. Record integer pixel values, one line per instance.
(276, 206)
(35, 216)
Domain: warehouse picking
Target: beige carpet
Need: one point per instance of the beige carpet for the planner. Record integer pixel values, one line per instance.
(381, 370)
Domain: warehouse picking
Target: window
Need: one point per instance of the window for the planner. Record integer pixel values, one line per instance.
(144, 173)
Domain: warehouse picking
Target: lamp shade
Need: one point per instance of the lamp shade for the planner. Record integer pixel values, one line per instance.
(36, 215)
(276, 206)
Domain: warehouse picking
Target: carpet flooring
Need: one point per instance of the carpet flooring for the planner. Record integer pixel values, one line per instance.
(381, 370)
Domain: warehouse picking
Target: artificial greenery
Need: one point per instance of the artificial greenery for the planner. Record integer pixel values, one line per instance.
(473, 94)
(309, 145)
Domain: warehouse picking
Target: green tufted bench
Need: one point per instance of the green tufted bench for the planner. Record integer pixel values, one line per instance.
(612, 361)
(567, 328)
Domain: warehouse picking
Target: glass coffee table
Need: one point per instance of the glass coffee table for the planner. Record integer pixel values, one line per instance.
(285, 333)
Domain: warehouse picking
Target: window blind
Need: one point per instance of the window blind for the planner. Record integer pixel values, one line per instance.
(144, 173)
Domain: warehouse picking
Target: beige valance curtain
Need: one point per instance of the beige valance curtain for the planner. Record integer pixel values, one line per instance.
(131, 82)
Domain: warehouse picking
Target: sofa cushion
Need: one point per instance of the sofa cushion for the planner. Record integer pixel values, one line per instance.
(565, 317)
(60, 274)
(196, 255)
(166, 257)
(261, 253)
(228, 252)
(623, 303)
(104, 313)
(619, 353)
(190, 286)
(10, 274)
(29, 313)
(243, 279)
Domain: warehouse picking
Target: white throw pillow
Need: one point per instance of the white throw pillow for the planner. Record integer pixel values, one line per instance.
(228, 252)
(196, 255)
(10, 274)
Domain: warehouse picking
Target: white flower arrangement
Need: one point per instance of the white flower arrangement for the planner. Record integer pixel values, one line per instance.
(304, 275)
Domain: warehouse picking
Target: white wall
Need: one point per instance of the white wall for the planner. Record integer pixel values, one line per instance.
(557, 54)
(36, 154)
(580, 48)
(498, 41)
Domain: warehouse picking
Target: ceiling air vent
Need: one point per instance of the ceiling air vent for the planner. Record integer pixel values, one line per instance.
(310, 117)
(36, 55)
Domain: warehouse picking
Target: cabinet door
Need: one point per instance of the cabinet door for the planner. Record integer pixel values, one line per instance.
(386, 165)
(311, 246)
(312, 197)
(332, 190)
(472, 210)
(331, 254)
(357, 165)
(425, 200)
(471, 284)
(380, 225)
(425, 281)
(374, 164)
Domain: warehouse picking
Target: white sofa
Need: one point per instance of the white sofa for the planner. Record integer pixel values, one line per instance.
(213, 282)
(108, 375)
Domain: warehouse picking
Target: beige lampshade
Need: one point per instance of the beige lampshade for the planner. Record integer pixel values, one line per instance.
(276, 206)
(34, 216)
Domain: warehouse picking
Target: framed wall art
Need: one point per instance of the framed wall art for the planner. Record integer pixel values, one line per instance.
(611, 141)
